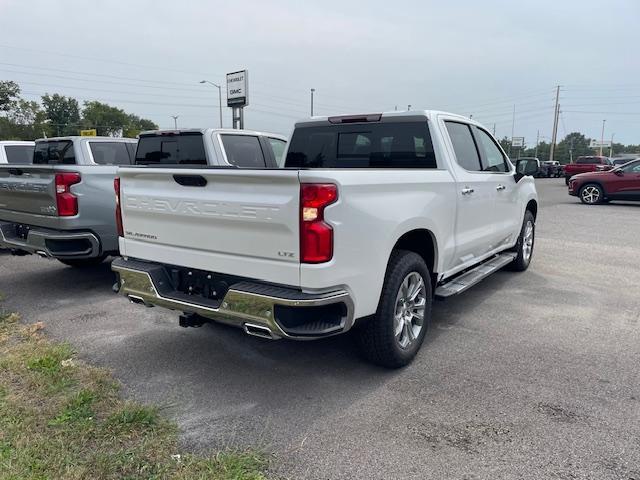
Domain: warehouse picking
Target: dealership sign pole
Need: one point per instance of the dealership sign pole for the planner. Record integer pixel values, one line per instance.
(238, 96)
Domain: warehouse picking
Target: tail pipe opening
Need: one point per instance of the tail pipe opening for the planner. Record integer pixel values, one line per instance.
(258, 331)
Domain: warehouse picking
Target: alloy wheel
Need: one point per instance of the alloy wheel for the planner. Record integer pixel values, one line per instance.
(411, 301)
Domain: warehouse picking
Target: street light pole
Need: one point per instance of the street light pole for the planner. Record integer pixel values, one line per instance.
(175, 121)
(219, 97)
(312, 92)
(602, 136)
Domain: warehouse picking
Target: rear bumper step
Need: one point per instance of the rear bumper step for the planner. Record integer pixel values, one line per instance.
(260, 309)
(47, 242)
(468, 279)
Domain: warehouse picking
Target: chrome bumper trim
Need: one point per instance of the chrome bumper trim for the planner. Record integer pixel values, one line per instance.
(238, 308)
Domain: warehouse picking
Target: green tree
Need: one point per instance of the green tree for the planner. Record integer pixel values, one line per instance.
(137, 125)
(28, 121)
(63, 113)
(113, 121)
(572, 146)
(9, 92)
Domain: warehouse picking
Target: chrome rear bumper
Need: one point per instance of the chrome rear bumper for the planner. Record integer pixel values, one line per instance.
(252, 306)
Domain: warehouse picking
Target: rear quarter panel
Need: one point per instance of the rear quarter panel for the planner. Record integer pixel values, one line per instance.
(374, 209)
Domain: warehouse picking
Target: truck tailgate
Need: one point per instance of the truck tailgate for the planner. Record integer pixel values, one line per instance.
(240, 222)
(27, 189)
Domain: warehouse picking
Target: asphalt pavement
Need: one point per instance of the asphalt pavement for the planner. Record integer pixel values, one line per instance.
(526, 376)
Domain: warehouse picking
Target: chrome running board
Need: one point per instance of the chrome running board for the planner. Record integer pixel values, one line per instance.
(478, 273)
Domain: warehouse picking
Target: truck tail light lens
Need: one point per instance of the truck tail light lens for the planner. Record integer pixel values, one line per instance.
(316, 236)
(66, 201)
(116, 187)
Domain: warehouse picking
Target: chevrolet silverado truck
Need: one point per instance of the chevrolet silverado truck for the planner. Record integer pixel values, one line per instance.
(63, 206)
(16, 152)
(585, 164)
(372, 217)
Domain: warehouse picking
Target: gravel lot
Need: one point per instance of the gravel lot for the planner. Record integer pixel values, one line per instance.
(525, 376)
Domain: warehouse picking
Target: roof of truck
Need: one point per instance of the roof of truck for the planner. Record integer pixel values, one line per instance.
(404, 114)
(16, 142)
(206, 131)
(78, 137)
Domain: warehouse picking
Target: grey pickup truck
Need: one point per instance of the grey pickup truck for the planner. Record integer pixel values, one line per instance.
(63, 206)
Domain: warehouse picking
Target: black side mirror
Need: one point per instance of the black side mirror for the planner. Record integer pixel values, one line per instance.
(619, 172)
(526, 166)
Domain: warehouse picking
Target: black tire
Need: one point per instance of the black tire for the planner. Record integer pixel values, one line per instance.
(566, 180)
(376, 337)
(83, 262)
(591, 194)
(523, 260)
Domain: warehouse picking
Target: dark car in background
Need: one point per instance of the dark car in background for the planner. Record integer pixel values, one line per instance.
(586, 163)
(620, 183)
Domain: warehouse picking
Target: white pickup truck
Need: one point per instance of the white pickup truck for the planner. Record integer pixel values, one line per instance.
(372, 217)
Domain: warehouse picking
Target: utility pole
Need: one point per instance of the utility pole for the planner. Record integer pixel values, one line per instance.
(611, 146)
(537, 142)
(219, 97)
(312, 92)
(175, 121)
(494, 129)
(571, 151)
(513, 126)
(602, 136)
(554, 135)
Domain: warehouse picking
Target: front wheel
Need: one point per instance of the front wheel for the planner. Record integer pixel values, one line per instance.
(566, 181)
(394, 335)
(524, 246)
(591, 194)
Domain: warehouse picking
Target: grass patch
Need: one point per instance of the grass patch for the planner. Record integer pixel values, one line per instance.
(63, 419)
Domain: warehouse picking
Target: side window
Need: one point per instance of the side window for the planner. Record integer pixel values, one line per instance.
(110, 153)
(131, 150)
(631, 168)
(20, 154)
(464, 146)
(278, 146)
(492, 159)
(243, 151)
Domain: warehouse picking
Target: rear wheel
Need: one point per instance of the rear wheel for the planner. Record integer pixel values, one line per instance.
(83, 262)
(591, 194)
(524, 247)
(394, 335)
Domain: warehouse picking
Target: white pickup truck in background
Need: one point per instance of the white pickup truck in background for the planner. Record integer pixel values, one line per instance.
(16, 152)
(372, 216)
(63, 206)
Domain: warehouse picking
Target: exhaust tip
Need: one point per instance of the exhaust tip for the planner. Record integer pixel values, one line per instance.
(258, 331)
(138, 300)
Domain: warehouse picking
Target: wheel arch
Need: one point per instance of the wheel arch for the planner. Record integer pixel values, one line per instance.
(532, 206)
(423, 242)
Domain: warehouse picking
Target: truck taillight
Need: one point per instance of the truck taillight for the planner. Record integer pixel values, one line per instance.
(116, 187)
(66, 201)
(316, 236)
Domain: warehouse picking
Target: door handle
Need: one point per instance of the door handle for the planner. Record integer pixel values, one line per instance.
(500, 187)
(467, 191)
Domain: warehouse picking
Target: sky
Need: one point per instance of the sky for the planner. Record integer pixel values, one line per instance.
(468, 57)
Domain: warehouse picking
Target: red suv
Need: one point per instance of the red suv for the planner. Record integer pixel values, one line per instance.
(621, 183)
(584, 164)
